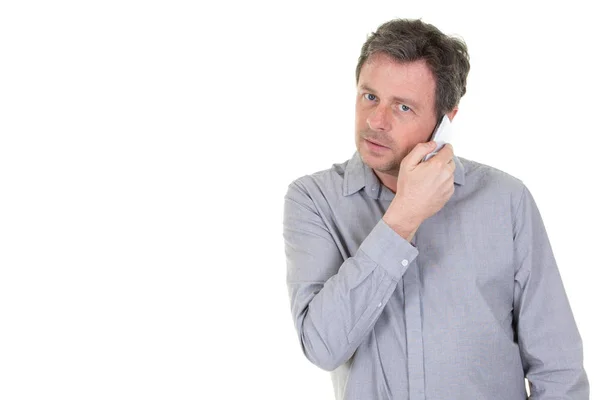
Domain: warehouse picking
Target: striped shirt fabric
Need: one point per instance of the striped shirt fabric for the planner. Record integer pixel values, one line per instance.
(466, 311)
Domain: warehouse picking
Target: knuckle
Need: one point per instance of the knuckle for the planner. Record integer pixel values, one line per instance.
(438, 163)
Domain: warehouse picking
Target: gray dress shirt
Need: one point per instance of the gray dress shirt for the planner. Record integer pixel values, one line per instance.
(471, 307)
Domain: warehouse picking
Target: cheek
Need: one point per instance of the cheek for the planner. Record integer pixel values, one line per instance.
(404, 141)
(358, 113)
(361, 119)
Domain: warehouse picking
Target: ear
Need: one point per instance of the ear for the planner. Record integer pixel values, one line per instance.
(452, 113)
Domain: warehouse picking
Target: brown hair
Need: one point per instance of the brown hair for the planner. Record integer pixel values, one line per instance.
(407, 40)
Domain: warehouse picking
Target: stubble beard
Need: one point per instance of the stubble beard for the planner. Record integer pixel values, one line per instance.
(387, 167)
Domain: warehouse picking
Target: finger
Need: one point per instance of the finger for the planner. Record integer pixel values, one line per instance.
(450, 165)
(415, 156)
(445, 154)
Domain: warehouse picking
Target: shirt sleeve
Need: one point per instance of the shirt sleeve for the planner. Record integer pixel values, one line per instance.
(549, 341)
(335, 303)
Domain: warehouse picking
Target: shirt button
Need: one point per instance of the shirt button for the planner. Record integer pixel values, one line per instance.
(405, 262)
(372, 188)
(379, 305)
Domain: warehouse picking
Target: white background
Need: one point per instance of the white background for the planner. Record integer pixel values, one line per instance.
(145, 149)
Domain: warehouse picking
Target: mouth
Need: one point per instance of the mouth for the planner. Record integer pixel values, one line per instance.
(374, 145)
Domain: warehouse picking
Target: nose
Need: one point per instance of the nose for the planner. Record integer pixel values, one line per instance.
(378, 119)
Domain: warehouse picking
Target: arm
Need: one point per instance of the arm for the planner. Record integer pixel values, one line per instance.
(549, 342)
(335, 303)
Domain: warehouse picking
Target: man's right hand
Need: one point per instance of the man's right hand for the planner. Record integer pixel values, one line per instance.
(422, 188)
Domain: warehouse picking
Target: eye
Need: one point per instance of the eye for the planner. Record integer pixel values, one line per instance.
(404, 107)
(368, 95)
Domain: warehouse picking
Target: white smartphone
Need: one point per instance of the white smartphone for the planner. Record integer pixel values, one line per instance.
(441, 135)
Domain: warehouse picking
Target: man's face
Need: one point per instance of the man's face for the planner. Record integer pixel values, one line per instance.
(395, 107)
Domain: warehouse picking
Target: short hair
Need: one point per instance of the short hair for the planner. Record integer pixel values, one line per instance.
(408, 40)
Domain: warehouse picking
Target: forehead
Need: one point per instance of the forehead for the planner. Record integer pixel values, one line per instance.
(394, 79)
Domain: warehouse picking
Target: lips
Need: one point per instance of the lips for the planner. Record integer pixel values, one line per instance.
(377, 143)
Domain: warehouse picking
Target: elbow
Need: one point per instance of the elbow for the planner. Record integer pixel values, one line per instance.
(326, 364)
(320, 354)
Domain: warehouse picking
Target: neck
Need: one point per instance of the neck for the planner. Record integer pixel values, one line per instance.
(389, 181)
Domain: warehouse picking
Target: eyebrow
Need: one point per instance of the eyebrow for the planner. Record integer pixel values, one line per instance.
(404, 100)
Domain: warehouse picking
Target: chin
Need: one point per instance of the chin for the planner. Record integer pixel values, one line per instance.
(375, 161)
(381, 162)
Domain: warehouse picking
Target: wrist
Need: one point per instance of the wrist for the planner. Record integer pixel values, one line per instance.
(403, 227)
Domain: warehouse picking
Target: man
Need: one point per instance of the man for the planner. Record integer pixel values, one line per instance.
(435, 279)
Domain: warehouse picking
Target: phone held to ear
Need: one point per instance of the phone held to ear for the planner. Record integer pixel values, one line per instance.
(441, 135)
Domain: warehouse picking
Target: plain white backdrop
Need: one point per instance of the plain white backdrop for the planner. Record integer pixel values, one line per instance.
(145, 149)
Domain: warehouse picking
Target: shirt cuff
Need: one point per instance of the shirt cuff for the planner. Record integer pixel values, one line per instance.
(389, 250)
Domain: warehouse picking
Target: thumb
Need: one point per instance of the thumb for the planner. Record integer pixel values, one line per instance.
(415, 156)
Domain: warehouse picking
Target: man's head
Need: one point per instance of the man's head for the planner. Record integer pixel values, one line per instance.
(409, 74)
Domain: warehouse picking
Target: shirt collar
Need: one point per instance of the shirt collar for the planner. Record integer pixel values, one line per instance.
(359, 175)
